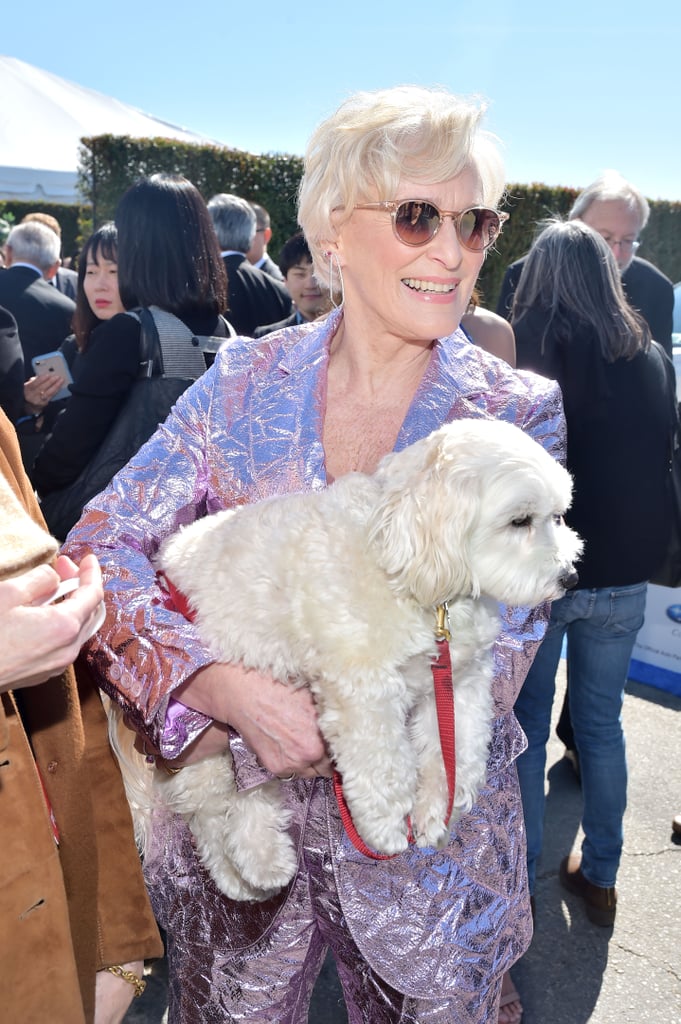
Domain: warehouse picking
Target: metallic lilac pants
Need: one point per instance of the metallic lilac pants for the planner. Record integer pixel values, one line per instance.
(258, 962)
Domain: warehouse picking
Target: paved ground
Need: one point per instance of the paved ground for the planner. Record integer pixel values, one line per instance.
(574, 972)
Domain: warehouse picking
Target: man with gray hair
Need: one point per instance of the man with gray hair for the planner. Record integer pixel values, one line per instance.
(65, 279)
(617, 211)
(42, 313)
(258, 254)
(254, 298)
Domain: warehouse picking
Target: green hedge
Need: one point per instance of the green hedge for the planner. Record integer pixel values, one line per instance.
(110, 163)
(74, 220)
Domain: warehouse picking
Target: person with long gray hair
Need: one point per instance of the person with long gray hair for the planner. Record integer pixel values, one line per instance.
(573, 324)
(399, 205)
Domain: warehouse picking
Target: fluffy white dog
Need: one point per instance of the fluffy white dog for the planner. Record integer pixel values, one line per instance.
(338, 590)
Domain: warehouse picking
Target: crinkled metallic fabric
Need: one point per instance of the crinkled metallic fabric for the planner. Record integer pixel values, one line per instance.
(425, 936)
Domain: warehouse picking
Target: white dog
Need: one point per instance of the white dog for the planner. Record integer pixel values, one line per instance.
(338, 590)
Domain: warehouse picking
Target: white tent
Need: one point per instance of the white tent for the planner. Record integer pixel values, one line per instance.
(43, 118)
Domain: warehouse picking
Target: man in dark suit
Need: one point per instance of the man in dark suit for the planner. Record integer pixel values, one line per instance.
(258, 254)
(64, 280)
(309, 299)
(617, 210)
(254, 298)
(42, 313)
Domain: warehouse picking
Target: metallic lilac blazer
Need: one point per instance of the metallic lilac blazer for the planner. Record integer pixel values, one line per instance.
(428, 922)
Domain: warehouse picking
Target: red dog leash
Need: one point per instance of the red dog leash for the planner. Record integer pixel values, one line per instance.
(444, 701)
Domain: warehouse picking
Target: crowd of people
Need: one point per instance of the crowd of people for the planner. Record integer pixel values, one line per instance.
(366, 336)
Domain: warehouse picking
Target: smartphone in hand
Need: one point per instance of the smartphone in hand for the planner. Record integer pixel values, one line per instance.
(54, 362)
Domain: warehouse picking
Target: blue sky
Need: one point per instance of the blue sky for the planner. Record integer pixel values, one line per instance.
(572, 88)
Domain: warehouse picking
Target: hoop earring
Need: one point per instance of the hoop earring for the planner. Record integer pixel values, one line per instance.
(331, 255)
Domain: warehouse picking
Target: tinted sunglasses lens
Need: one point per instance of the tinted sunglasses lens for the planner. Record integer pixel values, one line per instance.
(479, 228)
(416, 222)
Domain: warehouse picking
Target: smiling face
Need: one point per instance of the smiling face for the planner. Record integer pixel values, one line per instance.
(415, 294)
(304, 289)
(101, 286)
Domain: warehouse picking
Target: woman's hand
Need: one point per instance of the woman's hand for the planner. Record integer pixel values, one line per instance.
(39, 640)
(278, 723)
(39, 391)
(113, 995)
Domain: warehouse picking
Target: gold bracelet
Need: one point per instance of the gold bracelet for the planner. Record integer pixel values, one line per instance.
(131, 978)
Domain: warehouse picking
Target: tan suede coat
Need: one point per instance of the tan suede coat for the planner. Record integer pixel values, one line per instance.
(64, 912)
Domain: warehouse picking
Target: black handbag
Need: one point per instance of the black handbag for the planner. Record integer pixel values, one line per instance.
(669, 572)
(171, 358)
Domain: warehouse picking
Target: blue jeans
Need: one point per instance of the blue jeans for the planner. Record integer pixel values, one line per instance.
(601, 627)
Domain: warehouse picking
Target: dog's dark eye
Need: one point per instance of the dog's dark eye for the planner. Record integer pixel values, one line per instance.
(523, 522)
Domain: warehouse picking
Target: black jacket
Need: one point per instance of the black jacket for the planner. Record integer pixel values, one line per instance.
(42, 313)
(254, 298)
(618, 427)
(103, 377)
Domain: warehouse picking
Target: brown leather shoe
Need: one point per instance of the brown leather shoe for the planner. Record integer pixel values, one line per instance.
(676, 824)
(600, 903)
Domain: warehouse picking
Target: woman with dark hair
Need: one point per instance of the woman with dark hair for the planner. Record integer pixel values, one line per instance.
(573, 324)
(97, 299)
(167, 258)
(169, 252)
(97, 293)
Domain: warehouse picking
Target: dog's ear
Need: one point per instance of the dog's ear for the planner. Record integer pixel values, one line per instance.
(423, 520)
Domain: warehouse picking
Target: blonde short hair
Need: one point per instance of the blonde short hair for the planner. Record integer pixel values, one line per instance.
(374, 139)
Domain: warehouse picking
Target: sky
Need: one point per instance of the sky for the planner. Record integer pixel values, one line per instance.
(571, 89)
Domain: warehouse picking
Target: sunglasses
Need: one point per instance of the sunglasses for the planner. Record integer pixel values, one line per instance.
(416, 222)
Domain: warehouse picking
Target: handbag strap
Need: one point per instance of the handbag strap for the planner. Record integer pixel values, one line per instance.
(168, 348)
(181, 353)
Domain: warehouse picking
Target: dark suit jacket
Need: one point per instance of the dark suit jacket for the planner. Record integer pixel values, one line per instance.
(11, 367)
(646, 288)
(271, 268)
(254, 298)
(66, 282)
(42, 313)
(290, 321)
(652, 294)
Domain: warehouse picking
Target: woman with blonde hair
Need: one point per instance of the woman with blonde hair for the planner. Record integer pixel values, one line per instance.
(398, 203)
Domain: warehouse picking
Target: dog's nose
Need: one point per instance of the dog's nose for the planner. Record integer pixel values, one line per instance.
(569, 579)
